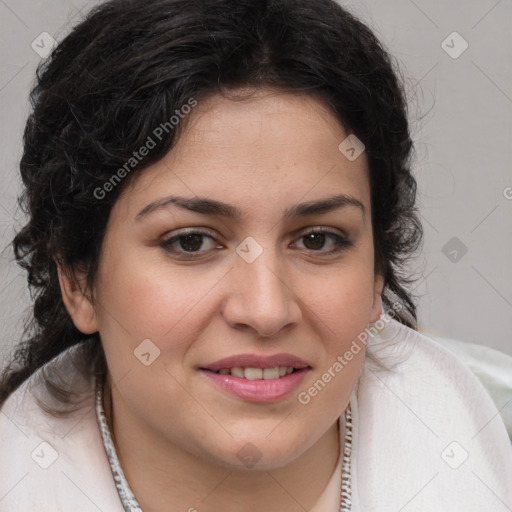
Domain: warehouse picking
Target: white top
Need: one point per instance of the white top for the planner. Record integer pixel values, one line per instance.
(426, 438)
(492, 367)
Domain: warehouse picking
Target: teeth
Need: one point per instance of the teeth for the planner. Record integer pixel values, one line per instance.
(271, 373)
(238, 372)
(257, 373)
(253, 373)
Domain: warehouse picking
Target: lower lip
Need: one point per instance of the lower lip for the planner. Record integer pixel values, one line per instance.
(258, 390)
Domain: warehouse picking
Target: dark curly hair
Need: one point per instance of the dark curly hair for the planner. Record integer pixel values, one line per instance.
(130, 65)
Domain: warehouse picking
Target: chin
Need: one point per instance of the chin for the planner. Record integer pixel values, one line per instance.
(256, 452)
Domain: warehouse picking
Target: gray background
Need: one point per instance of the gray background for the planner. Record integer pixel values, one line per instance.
(460, 112)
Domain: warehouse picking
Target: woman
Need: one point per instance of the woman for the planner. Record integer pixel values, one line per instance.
(220, 207)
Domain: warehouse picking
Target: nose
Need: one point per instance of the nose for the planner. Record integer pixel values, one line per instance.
(260, 297)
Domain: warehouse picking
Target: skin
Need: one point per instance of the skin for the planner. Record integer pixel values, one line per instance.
(177, 434)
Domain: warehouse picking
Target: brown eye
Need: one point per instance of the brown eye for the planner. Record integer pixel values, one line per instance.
(316, 239)
(187, 244)
(191, 242)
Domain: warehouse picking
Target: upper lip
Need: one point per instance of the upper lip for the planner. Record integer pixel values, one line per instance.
(256, 361)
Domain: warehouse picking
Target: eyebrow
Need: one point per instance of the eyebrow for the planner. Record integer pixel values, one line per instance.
(206, 206)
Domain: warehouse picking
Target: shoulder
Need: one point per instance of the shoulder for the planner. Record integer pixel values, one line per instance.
(492, 367)
(428, 423)
(53, 463)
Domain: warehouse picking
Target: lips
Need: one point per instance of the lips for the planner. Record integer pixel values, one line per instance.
(256, 378)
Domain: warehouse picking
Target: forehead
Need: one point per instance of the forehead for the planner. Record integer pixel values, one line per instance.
(259, 151)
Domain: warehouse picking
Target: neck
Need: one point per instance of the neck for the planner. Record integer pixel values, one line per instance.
(160, 472)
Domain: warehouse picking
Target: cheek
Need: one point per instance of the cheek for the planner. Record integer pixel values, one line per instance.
(148, 298)
(343, 301)
(342, 309)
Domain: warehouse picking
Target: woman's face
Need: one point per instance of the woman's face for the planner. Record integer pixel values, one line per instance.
(247, 287)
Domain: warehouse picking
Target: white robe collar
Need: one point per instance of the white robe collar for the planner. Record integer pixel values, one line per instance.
(426, 438)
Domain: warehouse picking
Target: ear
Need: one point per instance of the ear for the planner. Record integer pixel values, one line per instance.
(376, 310)
(73, 288)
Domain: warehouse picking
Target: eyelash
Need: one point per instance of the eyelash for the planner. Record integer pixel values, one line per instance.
(342, 242)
